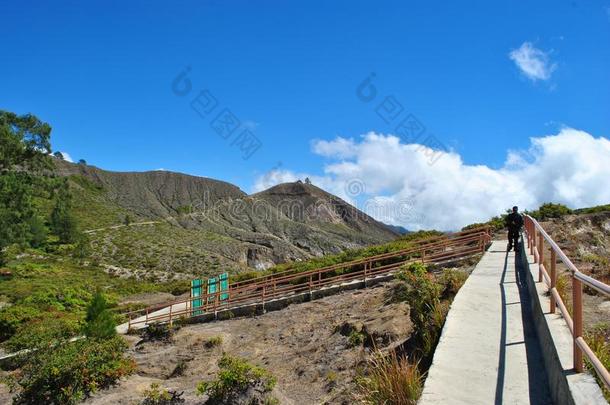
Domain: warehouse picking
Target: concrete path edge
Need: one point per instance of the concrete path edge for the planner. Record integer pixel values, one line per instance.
(566, 386)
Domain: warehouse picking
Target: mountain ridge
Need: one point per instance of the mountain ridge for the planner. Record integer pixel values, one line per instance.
(195, 224)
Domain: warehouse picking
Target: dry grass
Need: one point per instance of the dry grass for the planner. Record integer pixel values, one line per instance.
(597, 339)
(563, 288)
(391, 380)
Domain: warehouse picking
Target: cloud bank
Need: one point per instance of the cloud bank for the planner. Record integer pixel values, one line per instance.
(534, 63)
(396, 183)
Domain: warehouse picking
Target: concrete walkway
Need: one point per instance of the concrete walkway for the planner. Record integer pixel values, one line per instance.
(488, 352)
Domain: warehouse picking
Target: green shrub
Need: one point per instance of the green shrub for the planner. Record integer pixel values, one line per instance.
(452, 281)
(595, 259)
(157, 395)
(355, 338)
(213, 342)
(82, 249)
(99, 322)
(390, 380)
(592, 210)
(234, 378)
(496, 223)
(14, 316)
(157, 332)
(43, 332)
(67, 373)
(550, 210)
(422, 293)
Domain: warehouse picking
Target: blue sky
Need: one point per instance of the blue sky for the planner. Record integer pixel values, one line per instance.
(101, 74)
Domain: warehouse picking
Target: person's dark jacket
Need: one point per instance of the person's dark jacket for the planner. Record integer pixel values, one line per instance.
(514, 221)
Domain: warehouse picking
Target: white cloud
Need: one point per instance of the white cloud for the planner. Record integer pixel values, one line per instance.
(402, 187)
(339, 147)
(534, 63)
(67, 157)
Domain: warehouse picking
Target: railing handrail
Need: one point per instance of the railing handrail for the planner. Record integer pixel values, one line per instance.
(448, 248)
(575, 322)
(444, 241)
(589, 281)
(254, 295)
(427, 242)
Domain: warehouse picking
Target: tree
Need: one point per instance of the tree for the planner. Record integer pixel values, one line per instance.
(24, 141)
(307, 181)
(38, 231)
(59, 155)
(63, 222)
(83, 247)
(127, 220)
(24, 144)
(99, 322)
(82, 162)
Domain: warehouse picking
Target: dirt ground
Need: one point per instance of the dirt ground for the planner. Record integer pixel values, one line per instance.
(304, 346)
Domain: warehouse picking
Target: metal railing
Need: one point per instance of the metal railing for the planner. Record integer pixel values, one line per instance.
(536, 240)
(292, 282)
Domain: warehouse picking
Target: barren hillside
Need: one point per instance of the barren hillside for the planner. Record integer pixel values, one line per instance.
(171, 225)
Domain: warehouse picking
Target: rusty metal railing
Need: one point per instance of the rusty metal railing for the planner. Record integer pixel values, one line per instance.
(290, 283)
(536, 240)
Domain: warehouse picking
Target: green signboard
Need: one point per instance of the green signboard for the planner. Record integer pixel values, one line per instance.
(211, 286)
(196, 286)
(224, 286)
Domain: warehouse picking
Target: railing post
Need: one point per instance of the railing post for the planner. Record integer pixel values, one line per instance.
(553, 278)
(540, 255)
(170, 315)
(129, 323)
(577, 319)
(146, 315)
(365, 266)
(534, 247)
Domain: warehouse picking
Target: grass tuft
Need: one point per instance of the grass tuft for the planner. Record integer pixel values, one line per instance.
(391, 380)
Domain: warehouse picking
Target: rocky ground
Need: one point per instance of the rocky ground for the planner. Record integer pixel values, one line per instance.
(305, 346)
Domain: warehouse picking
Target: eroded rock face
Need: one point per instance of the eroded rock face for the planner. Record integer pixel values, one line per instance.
(305, 346)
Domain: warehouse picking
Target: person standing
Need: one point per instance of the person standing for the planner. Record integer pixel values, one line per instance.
(514, 222)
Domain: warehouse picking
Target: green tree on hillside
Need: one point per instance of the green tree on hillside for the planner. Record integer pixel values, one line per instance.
(63, 222)
(24, 142)
(38, 231)
(24, 150)
(99, 323)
